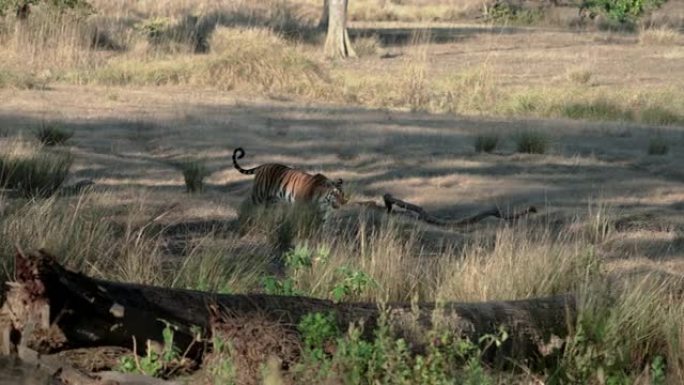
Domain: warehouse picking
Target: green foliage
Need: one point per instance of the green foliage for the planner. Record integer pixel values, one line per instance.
(621, 11)
(660, 116)
(532, 142)
(37, 176)
(299, 258)
(596, 110)
(658, 371)
(194, 173)
(275, 286)
(505, 13)
(588, 356)
(352, 283)
(385, 359)
(152, 363)
(486, 142)
(154, 29)
(298, 261)
(51, 135)
(317, 329)
(223, 371)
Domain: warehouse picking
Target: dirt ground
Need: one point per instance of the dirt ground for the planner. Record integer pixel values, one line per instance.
(128, 140)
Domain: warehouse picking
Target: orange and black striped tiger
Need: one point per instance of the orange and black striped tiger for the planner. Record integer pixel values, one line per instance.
(275, 182)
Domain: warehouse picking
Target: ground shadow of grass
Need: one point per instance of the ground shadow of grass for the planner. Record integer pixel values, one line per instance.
(401, 36)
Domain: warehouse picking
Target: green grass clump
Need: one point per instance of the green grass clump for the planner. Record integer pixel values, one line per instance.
(38, 175)
(658, 146)
(194, 173)
(599, 110)
(531, 142)
(486, 142)
(660, 116)
(51, 135)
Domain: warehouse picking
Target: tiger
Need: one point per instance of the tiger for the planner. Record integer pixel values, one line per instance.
(275, 183)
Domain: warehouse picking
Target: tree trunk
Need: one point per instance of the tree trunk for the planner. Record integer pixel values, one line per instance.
(337, 44)
(323, 22)
(51, 309)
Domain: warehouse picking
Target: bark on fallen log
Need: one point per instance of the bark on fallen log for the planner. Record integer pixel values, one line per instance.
(50, 309)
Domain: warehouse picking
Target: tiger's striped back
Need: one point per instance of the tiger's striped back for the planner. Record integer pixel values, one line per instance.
(275, 182)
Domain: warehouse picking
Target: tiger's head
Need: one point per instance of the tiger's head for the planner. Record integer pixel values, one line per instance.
(330, 193)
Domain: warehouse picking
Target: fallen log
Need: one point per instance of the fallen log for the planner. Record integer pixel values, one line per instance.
(50, 309)
(423, 215)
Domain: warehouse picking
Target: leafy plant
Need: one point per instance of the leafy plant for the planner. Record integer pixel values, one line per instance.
(621, 11)
(275, 286)
(658, 371)
(154, 29)
(298, 258)
(385, 359)
(153, 363)
(317, 329)
(353, 283)
(223, 372)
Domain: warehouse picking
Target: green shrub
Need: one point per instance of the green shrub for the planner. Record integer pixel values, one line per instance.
(621, 11)
(36, 176)
(194, 173)
(486, 142)
(504, 13)
(531, 142)
(51, 135)
(658, 146)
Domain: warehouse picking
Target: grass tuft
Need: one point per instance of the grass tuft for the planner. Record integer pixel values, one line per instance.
(660, 116)
(596, 110)
(35, 173)
(194, 173)
(51, 135)
(580, 76)
(658, 146)
(532, 142)
(367, 46)
(486, 142)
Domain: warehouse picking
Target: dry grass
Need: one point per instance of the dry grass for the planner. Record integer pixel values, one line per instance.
(659, 36)
(31, 170)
